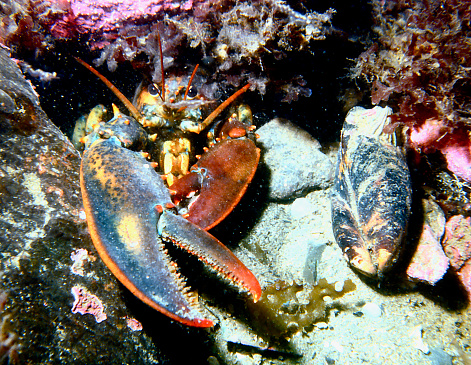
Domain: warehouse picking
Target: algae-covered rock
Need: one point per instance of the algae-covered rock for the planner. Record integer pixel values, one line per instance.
(41, 231)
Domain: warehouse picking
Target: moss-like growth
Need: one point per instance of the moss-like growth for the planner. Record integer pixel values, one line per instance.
(285, 309)
(420, 63)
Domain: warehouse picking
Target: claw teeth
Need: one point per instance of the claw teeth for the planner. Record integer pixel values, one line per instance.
(221, 271)
(189, 294)
(173, 269)
(211, 252)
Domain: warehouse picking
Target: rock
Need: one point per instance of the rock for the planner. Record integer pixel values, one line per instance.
(440, 357)
(429, 263)
(314, 254)
(42, 234)
(457, 240)
(294, 160)
(417, 340)
(291, 255)
(457, 246)
(372, 310)
(300, 208)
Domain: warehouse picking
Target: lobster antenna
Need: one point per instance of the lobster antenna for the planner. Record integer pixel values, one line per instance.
(162, 96)
(223, 106)
(132, 109)
(189, 82)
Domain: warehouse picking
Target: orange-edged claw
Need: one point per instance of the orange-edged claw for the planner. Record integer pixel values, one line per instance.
(209, 250)
(120, 193)
(221, 176)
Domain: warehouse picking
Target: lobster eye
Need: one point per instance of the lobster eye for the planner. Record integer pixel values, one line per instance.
(153, 91)
(192, 92)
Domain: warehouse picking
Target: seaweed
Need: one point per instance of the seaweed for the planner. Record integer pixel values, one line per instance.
(285, 309)
(420, 63)
(242, 36)
(237, 41)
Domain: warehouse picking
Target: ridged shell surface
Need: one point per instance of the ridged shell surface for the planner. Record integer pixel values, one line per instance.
(371, 195)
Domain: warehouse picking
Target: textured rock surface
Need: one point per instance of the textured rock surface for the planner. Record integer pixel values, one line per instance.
(295, 163)
(40, 228)
(457, 245)
(429, 263)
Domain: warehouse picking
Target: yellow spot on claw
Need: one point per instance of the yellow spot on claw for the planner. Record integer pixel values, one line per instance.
(129, 230)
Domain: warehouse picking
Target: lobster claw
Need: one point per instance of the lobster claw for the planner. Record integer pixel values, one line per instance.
(221, 177)
(130, 215)
(222, 174)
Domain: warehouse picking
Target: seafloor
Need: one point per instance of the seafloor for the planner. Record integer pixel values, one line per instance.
(316, 309)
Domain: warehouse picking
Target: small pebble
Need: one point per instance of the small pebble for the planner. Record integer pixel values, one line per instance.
(417, 341)
(322, 325)
(329, 361)
(300, 208)
(338, 286)
(82, 215)
(212, 360)
(336, 345)
(327, 299)
(372, 310)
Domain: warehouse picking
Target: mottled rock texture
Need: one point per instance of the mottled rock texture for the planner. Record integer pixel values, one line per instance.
(294, 160)
(41, 229)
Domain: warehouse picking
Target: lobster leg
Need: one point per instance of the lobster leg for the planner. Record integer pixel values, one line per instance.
(121, 192)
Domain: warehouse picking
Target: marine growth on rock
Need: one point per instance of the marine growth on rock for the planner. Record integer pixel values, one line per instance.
(420, 66)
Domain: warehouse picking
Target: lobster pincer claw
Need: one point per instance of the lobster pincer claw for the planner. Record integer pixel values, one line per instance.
(129, 214)
(221, 177)
(208, 249)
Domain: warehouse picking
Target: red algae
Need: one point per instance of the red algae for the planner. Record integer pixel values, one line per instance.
(420, 67)
(133, 324)
(108, 16)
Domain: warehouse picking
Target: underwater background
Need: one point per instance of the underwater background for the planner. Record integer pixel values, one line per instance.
(308, 64)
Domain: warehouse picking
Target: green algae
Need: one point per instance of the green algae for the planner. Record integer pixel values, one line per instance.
(285, 309)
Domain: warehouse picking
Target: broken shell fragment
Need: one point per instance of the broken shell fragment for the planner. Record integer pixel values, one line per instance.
(371, 195)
